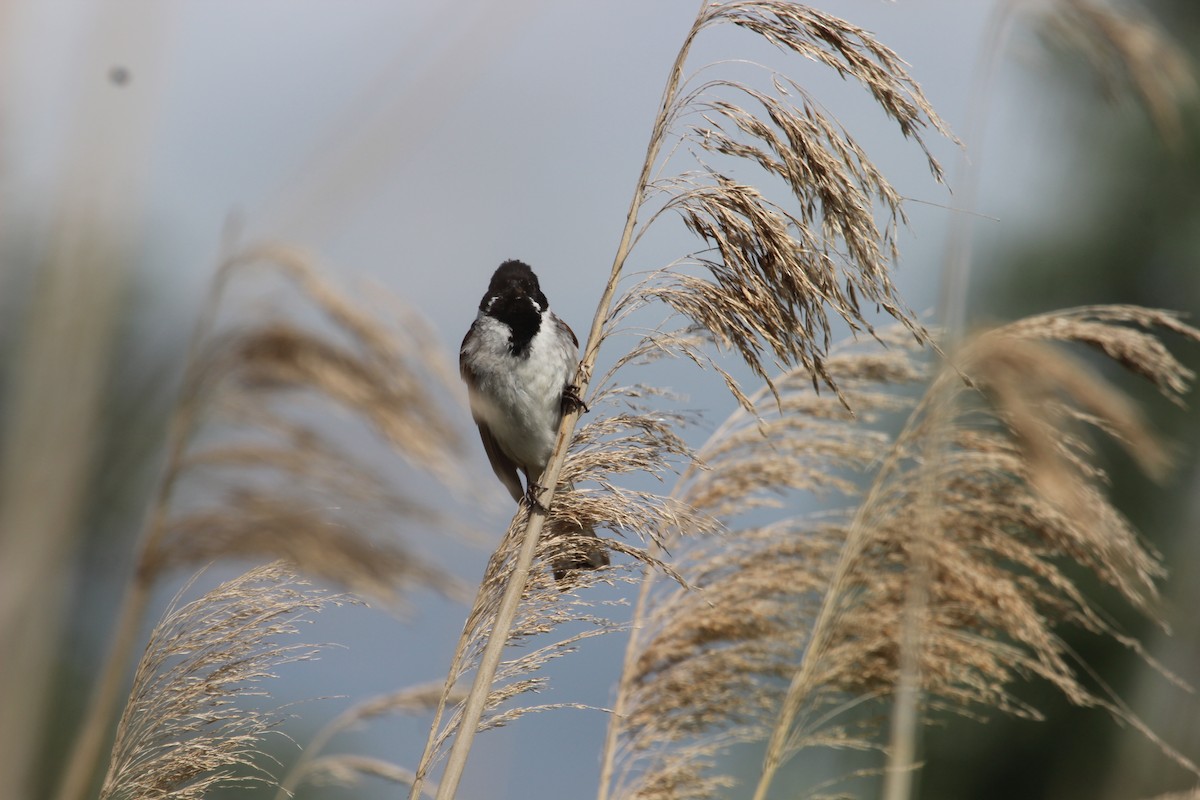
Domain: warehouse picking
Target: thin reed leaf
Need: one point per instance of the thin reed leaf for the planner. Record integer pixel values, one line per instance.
(348, 769)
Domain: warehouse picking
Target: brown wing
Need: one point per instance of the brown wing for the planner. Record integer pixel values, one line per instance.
(581, 548)
(504, 467)
(562, 326)
(571, 401)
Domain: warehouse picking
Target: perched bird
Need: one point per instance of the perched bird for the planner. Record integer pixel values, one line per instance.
(518, 361)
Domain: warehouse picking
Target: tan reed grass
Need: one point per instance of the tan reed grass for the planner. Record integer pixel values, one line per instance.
(1132, 57)
(186, 729)
(272, 474)
(795, 629)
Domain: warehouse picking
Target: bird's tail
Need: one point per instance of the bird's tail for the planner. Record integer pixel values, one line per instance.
(579, 548)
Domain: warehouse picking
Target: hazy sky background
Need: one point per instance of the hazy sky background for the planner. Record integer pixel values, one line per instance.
(416, 145)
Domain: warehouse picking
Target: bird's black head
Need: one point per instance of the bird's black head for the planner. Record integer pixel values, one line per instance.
(514, 279)
(515, 298)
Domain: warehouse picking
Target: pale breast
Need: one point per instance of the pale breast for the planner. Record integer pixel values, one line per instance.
(522, 397)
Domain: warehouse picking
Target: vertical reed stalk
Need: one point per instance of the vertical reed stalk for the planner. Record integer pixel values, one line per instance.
(54, 428)
(905, 724)
(952, 310)
(956, 264)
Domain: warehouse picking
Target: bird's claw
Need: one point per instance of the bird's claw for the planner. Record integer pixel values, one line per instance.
(571, 401)
(532, 491)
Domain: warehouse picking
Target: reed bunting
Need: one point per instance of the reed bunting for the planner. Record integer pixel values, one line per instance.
(518, 361)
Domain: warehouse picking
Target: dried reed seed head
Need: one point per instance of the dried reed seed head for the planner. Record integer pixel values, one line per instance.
(267, 442)
(650, 347)
(829, 174)
(1000, 559)
(798, 440)
(381, 342)
(548, 604)
(714, 658)
(182, 734)
(608, 447)
(997, 585)
(409, 700)
(759, 297)
(1123, 333)
(605, 447)
(778, 275)
(391, 395)
(846, 48)
(1042, 395)
(682, 776)
(626, 442)
(386, 373)
(347, 769)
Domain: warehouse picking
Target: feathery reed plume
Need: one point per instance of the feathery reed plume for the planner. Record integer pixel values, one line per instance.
(1132, 56)
(776, 273)
(547, 604)
(266, 479)
(794, 629)
(291, 491)
(287, 485)
(1127, 52)
(705, 662)
(999, 547)
(185, 730)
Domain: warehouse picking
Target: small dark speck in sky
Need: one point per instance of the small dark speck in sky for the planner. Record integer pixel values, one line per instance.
(119, 75)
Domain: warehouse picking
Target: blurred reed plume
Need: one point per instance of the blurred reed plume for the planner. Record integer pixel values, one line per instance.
(252, 474)
(1132, 57)
(290, 485)
(963, 525)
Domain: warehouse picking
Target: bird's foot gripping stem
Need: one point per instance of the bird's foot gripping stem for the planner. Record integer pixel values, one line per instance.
(532, 497)
(571, 401)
